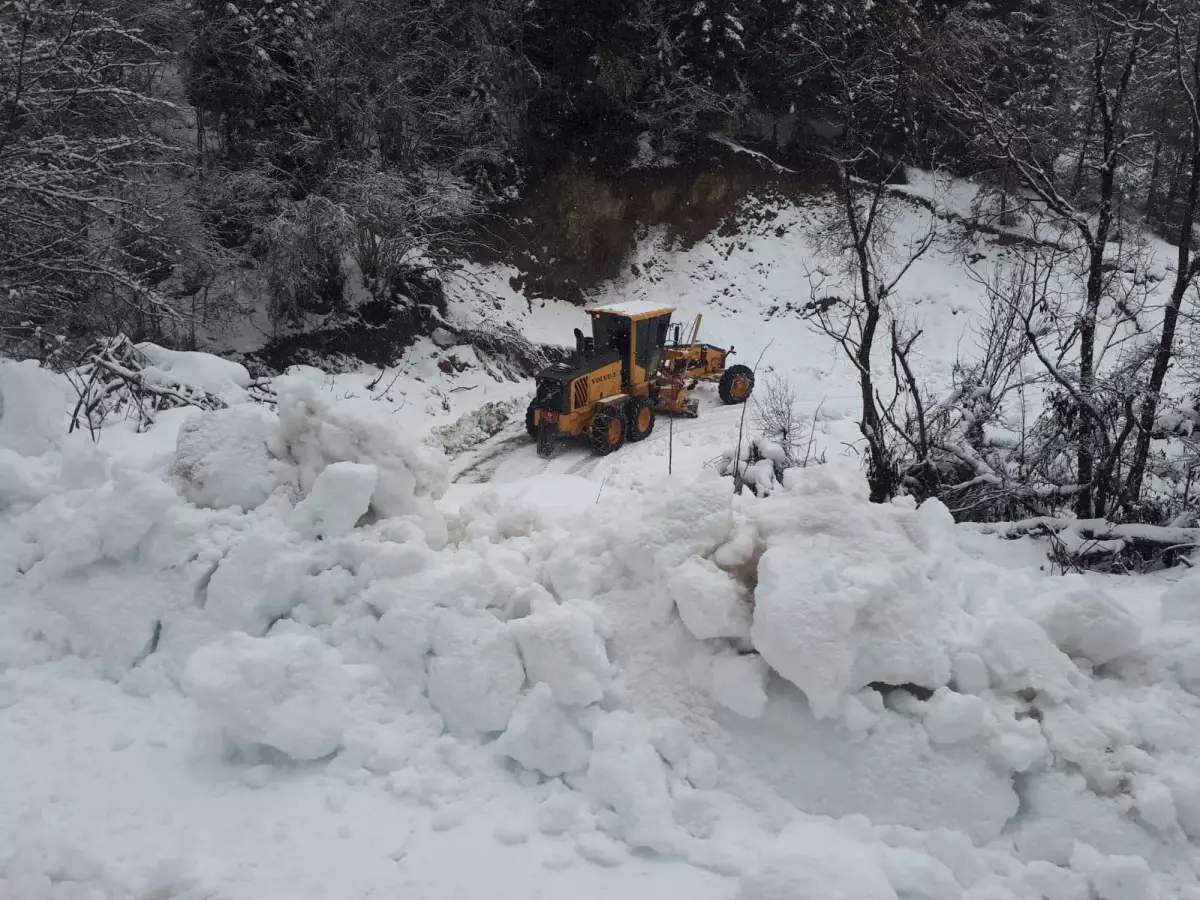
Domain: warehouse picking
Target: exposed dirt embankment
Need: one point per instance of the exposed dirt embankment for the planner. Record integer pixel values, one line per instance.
(576, 226)
(573, 229)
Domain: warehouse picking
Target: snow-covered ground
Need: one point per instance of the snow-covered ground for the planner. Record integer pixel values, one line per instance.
(259, 654)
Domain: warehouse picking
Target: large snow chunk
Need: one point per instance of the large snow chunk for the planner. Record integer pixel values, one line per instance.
(109, 522)
(813, 859)
(918, 876)
(340, 497)
(319, 432)
(33, 405)
(848, 592)
(951, 717)
(626, 773)
(260, 580)
(710, 603)
(1179, 602)
(1115, 877)
(1060, 810)
(287, 692)
(739, 683)
(560, 647)
(221, 377)
(230, 457)
(1087, 622)
(831, 626)
(1022, 657)
(475, 676)
(677, 523)
(542, 738)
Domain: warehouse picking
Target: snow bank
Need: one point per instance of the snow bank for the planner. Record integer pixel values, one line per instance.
(664, 665)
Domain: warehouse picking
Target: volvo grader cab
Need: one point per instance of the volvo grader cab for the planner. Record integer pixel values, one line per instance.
(632, 367)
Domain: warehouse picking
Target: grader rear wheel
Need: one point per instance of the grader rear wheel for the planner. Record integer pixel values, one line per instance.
(640, 418)
(608, 431)
(530, 414)
(737, 384)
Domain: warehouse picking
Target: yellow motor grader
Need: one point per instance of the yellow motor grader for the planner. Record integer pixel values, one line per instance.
(632, 367)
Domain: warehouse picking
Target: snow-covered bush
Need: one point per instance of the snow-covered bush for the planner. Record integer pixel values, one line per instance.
(759, 463)
(136, 381)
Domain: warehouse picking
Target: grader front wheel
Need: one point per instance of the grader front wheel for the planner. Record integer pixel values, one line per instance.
(737, 384)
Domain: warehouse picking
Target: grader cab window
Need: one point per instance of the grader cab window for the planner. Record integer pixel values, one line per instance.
(651, 336)
(611, 333)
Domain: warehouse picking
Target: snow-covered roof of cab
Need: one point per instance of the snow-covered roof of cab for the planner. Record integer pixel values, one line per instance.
(634, 309)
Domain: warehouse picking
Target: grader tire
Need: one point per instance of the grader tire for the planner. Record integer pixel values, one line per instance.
(639, 418)
(608, 431)
(737, 384)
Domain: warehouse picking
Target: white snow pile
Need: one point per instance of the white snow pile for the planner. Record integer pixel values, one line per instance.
(816, 695)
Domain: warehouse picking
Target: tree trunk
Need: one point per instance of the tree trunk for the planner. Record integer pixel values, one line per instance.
(1185, 273)
(1110, 106)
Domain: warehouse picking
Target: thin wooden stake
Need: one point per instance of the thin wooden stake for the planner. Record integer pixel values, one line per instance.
(737, 453)
(670, 444)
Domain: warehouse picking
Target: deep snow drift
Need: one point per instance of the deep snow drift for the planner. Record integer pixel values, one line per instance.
(284, 657)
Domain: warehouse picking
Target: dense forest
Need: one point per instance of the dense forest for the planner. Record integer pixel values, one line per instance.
(163, 161)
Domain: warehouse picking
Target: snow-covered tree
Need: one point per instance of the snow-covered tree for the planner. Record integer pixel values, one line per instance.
(93, 226)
